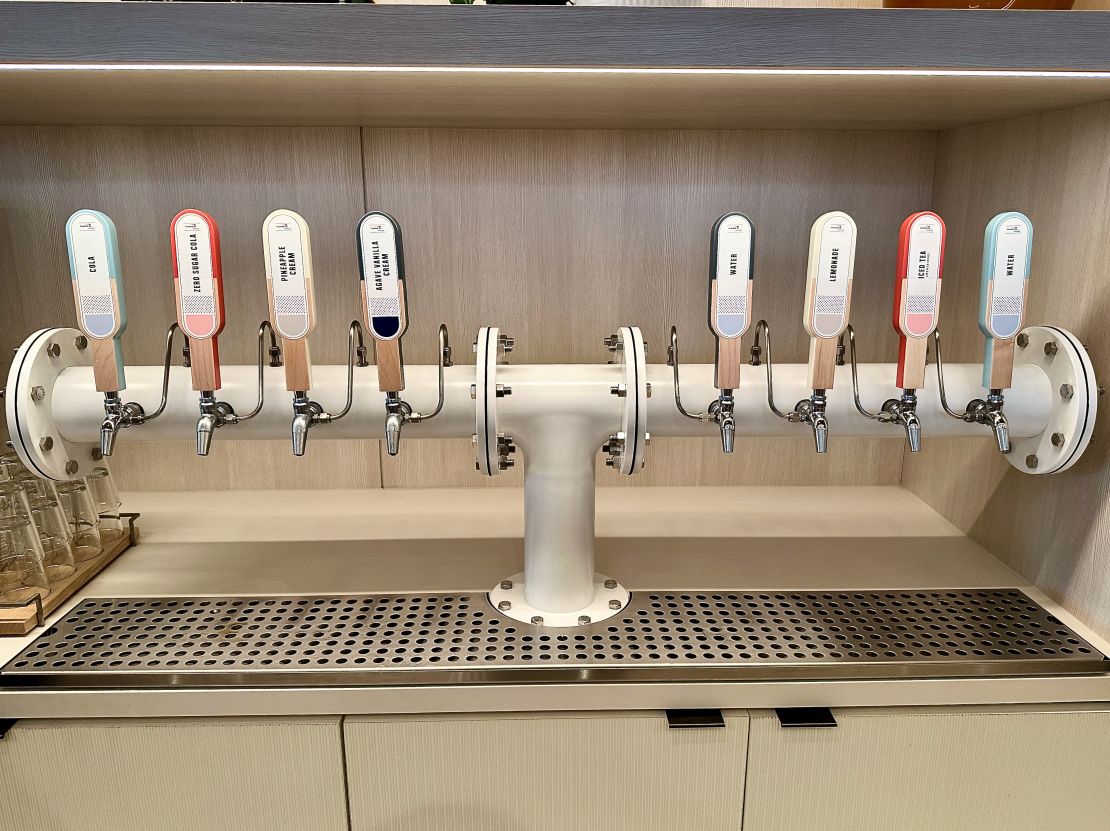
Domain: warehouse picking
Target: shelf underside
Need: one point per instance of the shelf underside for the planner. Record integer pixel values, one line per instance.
(531, 98)
(431, 639)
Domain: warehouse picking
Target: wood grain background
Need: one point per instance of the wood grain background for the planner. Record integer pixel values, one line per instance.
(1056, 168)
(557, 236)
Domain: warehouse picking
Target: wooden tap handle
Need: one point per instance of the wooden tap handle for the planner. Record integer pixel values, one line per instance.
(832, 254)
(1007, 251)
(917, 293)
(288, 249)
(198, 284)
(94, 265)
(381, 262)
(731, 274)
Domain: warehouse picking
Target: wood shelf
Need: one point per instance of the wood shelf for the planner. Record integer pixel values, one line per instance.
(627, 68)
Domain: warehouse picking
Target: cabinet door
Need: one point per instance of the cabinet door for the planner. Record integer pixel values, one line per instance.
(173, 775)
(544, 772)
(932, 768)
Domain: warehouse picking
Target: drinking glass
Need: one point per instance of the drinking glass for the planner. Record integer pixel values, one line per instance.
(54, 537)
(106, 499)
(21, 572)
(10, 467)
(82, 519)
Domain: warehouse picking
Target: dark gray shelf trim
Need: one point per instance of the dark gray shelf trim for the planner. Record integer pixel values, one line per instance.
(367, 35)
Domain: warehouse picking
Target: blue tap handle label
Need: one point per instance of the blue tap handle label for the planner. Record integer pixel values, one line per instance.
(1007, 249)
(94, 266)
(381, 263)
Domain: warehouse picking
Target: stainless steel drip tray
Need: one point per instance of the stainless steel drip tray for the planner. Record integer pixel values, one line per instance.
(423, 639)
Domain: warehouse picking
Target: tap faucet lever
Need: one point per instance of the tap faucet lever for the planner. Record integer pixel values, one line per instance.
(832, 248)
(287, 245)
(381, 259)
(94, 265)
(198, 284)
(731, 275)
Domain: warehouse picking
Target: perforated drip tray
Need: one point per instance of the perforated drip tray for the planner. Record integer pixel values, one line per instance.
(460, 639)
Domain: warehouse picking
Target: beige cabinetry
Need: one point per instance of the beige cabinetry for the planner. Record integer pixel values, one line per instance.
(173, 775)
(957, 769)
(544, 772)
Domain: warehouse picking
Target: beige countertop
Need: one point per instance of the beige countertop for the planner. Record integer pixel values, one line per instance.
(324, 542)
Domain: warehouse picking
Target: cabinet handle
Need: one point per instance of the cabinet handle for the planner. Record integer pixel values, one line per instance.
(805, 717)
(680, 719)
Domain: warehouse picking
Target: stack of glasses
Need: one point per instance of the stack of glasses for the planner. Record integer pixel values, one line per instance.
(48, 530)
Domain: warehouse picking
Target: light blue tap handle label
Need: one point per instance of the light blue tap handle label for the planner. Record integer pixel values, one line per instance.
(94, 266)
(1007, 249)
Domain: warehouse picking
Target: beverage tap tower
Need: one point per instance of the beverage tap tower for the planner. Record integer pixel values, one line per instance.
(559, 415)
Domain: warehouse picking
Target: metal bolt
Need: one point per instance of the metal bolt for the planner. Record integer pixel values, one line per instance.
(46, 444)
(71, 467)
(1102, 390)
(619, 390)
(506, 585)
(473, 391)
(81, 342)
(1057, 439)
(1051, 348)
(1031, 461)
(648, 390)
(38, 393)
(505, 342)
(1067, 391)
(1022, 340)
(610, 584)
(612, 344)
(537, 620)
(96, 454)
(584, 620)
(614, 604)
(474, 346)
(500, 390)
(53, 350)
(504, 605)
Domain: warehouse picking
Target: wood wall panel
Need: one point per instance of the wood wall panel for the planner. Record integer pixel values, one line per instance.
(561, 236)
(1054, 167)
(558, 236)
(141, 177)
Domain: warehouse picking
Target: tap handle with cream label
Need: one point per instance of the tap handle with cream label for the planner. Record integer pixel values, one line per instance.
(730, 294)
(381, 262)
(1007, 247)
(198, 284)
(917, 293)
(832, 251)
(288, 251)
(94, 265)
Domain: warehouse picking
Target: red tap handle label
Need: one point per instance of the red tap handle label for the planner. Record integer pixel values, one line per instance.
(198, 278)
(917, 293)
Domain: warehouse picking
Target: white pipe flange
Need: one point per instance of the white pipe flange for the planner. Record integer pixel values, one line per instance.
(626, 449)
(610, 598)
(29, 404)
(1071, 420)
(493, 450)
